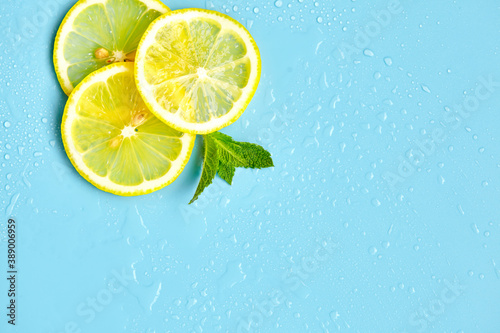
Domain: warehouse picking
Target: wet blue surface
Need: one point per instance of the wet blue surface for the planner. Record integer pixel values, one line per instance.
(381, 214)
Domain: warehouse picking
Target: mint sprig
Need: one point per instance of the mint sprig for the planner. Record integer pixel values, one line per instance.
(222, 155)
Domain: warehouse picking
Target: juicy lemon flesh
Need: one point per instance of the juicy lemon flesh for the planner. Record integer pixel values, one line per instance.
(198, 67)
(104, 33)
(118, 137)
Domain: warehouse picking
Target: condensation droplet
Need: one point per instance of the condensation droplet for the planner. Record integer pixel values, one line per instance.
(368, 53)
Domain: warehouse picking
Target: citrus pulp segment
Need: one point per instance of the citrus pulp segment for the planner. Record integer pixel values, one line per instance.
(197, 70)
(96, 33)
(114, 141)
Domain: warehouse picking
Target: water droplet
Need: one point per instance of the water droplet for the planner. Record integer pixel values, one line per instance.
(368, 53)
(6, 124)
(388, 61)
(278, 3)
(319, 19)
(334, 315)
(426, 89)
(372, 250)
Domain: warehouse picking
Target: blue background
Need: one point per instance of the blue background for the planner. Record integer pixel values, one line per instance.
(242, 259)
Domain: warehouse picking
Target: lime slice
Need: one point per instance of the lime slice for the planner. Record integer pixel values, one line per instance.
(114, 141)
(96, 33)
(197, 70)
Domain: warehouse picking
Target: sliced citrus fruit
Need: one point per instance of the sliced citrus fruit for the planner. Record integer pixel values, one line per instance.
(96, 33)
(197, 70)
(114, 141)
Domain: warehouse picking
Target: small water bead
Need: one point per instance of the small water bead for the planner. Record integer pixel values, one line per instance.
(388, 61)
(6, 124)
(426, 89)
(278, 3)
(256, 10)
(372, 250)
(319, 19)
(368, 53)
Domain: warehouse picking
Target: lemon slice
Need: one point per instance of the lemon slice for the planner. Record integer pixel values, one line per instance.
(114, 141)
(197, 70)
(96, 33)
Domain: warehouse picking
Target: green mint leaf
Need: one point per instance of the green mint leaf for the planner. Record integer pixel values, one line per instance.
(210, 164)
(223, 155)
(241, 154)
(226, 172)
